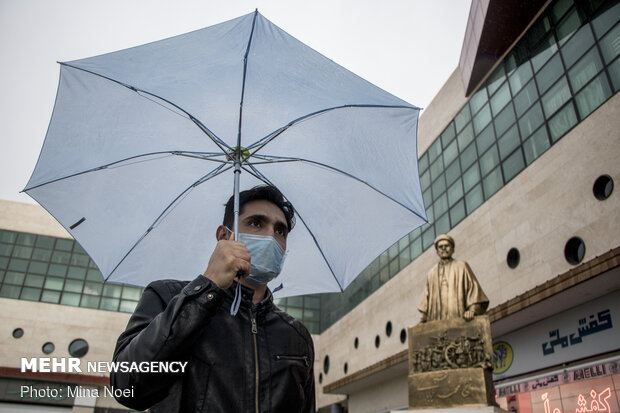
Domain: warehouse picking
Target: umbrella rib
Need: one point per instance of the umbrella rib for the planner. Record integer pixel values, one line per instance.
(215, 172)
(98, 168)
(245, 69)
(264, 141)
(278, 159)
(254, 172)
(220, 143)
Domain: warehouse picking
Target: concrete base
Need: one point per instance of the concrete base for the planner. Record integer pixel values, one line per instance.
(473, 409)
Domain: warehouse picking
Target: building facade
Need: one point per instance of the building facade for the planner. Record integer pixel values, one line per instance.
(518, 161)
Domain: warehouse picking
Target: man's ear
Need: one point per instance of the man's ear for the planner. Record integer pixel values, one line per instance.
(222, 233)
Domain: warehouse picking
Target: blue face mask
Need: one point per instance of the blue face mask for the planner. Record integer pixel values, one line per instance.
(267, 257)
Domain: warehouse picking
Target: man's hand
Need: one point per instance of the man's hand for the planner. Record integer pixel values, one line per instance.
(227, 259)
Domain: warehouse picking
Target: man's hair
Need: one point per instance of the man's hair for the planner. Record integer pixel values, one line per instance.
(262, 192)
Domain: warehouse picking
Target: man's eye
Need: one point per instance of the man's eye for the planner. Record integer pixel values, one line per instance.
(255, 224)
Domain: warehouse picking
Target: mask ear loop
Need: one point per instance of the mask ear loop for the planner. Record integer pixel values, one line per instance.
(234, 308)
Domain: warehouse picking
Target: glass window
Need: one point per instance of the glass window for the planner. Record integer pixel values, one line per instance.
(132, 293)
(127, 306)
(568, 26)
(22, 252)
(45, 242)
(471, 177)
(427, 196)
(441, 205)
(416, 248)
(448, 135)
(478, 100)
(428, 237)
(423, 162)
(489, 160)
(556, 97)
(92, 288)
(438, 187)
(526, 98)
(468, 156)
(26, 239)
(94, 275)
(33, 280)
(74, 286)
(60, 257)
(549, 74)
(500, 99)
(482, 119)
(18, 265)
(77, 273)
(425, 180)
(593, 95)
(462, 118)
(79, 259)
(434, 150)
(50, 296)
(40, 254)
(562, 122)
(465, 137)
(455, 192)
(10, 291)
(505, 119)
(610, 44)
(485, 139)
(577, 45)
(30, 294)
(37, 267)
(520, 77)
(614, 73)
(538, 30)
(6, 249)
(474, 199)
(64, 244)
(585, 69)
(4, 262)
(492, 182)
(453, 172)
(457, 212)
(16, 278)
(112, 290)
(495, 80)
(604, 22)
(442, 225)
(53, 283)
(559, 8)
(513, 165)
(57, 270)
(541, 53)
(531, 120)
(508, 142)
(536, 145)
(436, 168)
(450, 153)
(89, 301)
(312, 302)
(8, 236)
(70, 299)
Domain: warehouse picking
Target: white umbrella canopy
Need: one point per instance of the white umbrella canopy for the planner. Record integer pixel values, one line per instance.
(138, 159)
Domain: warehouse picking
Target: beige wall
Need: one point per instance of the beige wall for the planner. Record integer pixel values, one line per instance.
(537, 212)
(18, 216)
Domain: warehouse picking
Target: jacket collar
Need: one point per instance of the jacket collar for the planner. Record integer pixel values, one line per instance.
(246, 298)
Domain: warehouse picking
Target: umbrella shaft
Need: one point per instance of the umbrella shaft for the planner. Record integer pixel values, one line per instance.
(236, 198)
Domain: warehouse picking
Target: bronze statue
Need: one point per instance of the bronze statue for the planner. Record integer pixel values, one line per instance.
(452, 290)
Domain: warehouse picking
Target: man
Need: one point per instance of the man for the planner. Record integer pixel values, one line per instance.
(259, 360)
(452, 290)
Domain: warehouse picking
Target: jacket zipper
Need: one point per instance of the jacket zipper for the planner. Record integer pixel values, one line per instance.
(301, 358)
(256, 369)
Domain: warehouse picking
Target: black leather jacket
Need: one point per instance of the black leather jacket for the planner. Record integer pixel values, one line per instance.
(259, 361)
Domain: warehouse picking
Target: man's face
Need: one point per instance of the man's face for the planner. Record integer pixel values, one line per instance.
(444, 249)
(262, 217)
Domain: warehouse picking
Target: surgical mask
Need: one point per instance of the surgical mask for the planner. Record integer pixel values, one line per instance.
(267, 257)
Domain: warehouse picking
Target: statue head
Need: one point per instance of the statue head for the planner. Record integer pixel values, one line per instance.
(444, 245)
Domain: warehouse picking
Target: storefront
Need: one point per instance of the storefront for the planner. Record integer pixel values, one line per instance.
(566, 363)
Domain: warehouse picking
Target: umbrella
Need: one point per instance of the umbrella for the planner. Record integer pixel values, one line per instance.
(143, 144)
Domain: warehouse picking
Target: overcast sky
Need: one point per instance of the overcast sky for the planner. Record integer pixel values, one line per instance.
(407, 47)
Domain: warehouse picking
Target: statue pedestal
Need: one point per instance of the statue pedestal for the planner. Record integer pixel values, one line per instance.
(475, 409)
(450, 366)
